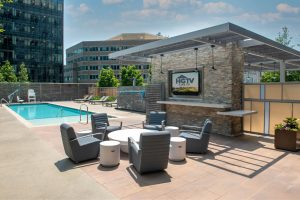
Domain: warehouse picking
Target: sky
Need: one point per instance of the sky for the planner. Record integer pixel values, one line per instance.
(87, 20)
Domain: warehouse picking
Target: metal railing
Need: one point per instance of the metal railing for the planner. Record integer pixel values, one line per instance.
(3, 100)
(87, 113)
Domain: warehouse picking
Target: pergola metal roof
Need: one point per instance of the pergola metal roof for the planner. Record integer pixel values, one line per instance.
(260, 52)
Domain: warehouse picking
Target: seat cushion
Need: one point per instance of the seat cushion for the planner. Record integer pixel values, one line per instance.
(153, 127)
(113, 128)
(87, 140)
(190, 135)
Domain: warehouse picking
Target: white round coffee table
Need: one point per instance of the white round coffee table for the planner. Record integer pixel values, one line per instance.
(123, 135)
(174, 130)
(109, 153)
(177, 149)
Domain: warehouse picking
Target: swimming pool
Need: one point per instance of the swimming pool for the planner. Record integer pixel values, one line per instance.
(48, 114)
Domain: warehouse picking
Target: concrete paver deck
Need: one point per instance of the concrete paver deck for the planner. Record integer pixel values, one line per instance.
(28, 171)
(246, 167)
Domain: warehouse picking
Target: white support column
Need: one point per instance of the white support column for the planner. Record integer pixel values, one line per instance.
(282, 71)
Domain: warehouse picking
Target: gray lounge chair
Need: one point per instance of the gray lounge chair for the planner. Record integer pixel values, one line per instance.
(157, 121)
(152, 152)
(115, 102)
(19, 100)
(197, 142)
(100, 124)
(79, 149)
(101, 100)
(84, 99)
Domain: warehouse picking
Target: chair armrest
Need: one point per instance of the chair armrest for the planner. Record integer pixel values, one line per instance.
(99, 136)
(190, 131)
(188, 127)
(134, 144)
(89, 135)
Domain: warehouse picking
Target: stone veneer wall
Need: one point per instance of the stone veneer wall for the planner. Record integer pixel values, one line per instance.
(221, 86)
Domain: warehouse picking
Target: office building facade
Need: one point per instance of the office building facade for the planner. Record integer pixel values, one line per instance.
(86, 59)
(34, 35)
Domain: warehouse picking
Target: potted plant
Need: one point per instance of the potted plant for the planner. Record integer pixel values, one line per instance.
(286, 134)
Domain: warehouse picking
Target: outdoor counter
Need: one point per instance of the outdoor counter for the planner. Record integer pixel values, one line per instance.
(238, 113)
(198, 104)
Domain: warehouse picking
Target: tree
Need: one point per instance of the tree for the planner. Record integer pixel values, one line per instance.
(284, 37)
(23, 74)
(1, 78)
(2, 2)
(270, 77)
(293, 76)
(128, 74)
(107, 78)
(8, 72)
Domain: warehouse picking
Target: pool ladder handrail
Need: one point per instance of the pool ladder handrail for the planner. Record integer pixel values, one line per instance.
(61, 111)
(87, 113)
(4, 100)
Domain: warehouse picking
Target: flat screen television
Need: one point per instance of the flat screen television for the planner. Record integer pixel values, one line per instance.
(185, 83)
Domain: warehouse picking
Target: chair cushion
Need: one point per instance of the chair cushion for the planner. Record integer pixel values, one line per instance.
(87, 140)
(113, 128)
(153, 127)
(190, 135)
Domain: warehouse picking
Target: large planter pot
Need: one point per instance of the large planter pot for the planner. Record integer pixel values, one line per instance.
(286, 140)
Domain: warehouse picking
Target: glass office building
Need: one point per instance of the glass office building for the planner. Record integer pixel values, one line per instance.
(34, 35)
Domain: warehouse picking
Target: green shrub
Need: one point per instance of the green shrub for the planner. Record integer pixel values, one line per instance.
(111, 98)
(96, 98)
(290, 123)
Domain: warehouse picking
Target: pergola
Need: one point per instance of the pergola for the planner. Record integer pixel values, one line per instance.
(261, 53)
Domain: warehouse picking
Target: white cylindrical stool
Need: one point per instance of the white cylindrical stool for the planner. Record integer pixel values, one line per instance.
(109, 153)
(177, 149)
(174, 131)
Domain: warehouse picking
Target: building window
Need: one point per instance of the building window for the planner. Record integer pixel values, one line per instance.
(93, 77)
(103, 48)
(94, 49)
(82, 68)
(115, 67)
(103, 58)
(94, 58)
(94, 67)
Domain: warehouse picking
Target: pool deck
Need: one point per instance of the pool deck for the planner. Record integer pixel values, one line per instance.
(34, 166)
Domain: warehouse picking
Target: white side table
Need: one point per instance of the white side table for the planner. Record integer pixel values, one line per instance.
(177, 149)
(174, 131)
(109, 153)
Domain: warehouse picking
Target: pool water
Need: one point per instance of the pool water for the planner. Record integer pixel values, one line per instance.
(48, 114)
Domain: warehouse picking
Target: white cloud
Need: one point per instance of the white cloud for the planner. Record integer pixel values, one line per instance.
(262, 18)
(218, 7)
(165, 4)
(75, 11)
(285, 8)
(196, 3)
(83, 8)
(180, 17)
(157, 14)
(112, 1)
(147, 12)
